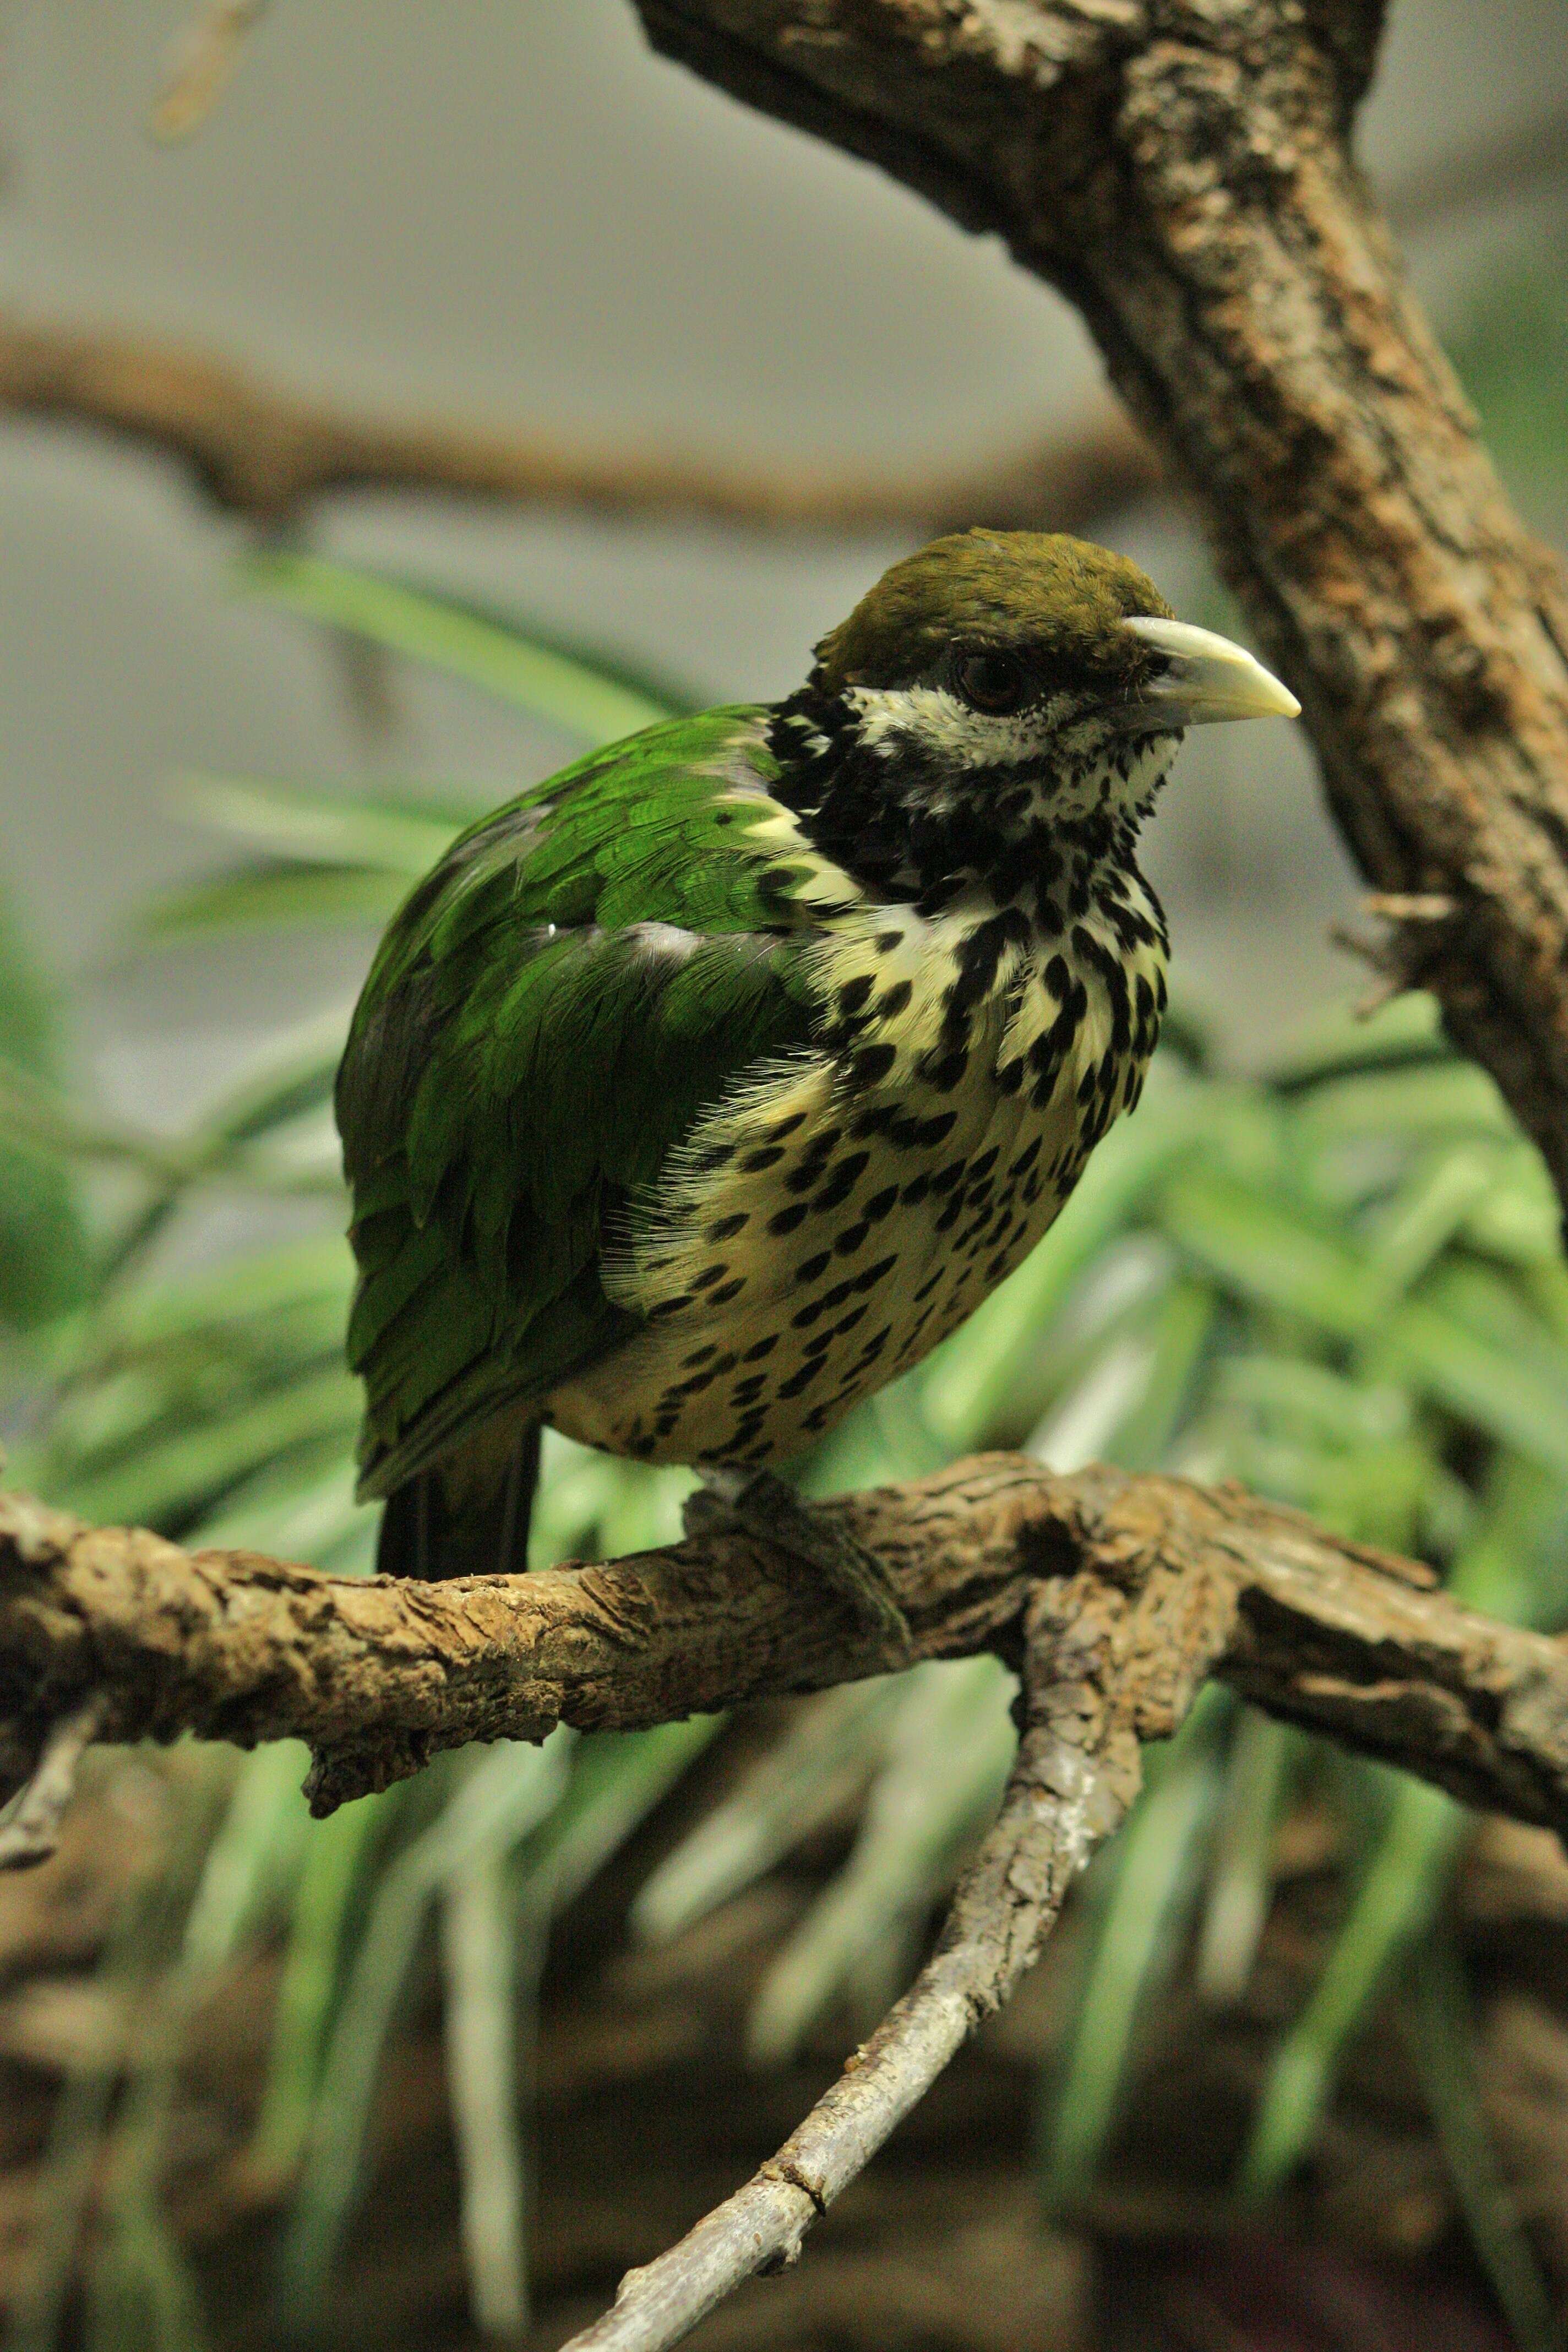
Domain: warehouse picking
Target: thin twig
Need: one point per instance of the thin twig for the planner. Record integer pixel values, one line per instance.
(1074, 1777)
(30, 1824)
(201, 65)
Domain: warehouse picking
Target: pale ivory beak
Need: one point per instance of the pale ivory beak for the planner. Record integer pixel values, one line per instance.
(1209, 679)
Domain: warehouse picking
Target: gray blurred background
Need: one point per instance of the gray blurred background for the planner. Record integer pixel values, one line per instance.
(507, 212)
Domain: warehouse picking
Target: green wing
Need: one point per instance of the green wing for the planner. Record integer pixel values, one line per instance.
(583, 973)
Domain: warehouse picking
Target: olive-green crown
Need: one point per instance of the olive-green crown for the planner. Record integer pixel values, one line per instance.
(1062, 597)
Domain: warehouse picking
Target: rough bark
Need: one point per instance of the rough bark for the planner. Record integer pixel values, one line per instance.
(379, 1674)
(1180, 169)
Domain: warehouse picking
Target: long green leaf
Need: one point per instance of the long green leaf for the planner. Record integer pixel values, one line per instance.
(949, 1747)
(1236, 1906)
(1394, 1907)
(1436, 2015)
(554, 686)
(503, 1799)
(820, 1764)
(479, 1962)
(1151, 1873)
(1405, 1878)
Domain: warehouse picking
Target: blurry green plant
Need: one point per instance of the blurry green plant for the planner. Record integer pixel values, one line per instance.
(1340, 1283)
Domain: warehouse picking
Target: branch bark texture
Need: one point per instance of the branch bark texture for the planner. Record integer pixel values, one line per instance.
(378, 1674)
(1180, 169)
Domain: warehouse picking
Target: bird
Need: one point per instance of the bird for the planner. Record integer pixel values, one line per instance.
(702, 1089)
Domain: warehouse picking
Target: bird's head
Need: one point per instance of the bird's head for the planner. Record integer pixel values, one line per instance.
(1006, 679)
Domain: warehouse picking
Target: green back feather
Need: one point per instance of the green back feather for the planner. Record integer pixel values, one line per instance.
(584, 972)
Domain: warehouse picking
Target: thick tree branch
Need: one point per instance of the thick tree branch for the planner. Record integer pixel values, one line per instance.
(1179, 171)
(378, 1674)
(1114, 1597)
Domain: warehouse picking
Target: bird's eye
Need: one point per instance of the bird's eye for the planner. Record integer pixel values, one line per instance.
(991, 682)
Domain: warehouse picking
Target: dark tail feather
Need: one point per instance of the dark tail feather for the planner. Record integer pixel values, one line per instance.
(424, 1533)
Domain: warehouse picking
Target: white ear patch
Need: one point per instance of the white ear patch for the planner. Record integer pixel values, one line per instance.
(930, 718)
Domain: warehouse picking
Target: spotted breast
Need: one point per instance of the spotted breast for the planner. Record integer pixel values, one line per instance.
(822, 1230)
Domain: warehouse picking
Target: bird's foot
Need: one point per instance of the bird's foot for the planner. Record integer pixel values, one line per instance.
(763, 1506)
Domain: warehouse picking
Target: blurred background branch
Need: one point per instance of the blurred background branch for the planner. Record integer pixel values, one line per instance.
(264, 453)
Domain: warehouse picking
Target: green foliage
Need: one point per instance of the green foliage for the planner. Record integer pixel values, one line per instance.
(1512, 355)
(1340, 1283)
(43, 1249)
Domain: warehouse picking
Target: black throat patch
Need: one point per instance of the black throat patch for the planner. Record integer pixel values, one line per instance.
(891, 824)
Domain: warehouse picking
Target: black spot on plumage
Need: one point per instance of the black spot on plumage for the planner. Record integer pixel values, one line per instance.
(1025, 1158)
(983, 1166)
(850, 1239)
(1010, 1076)
(712, 1157)
(745, 1391)
(780, 1128)
(893, 1000)
(853, 995)
(730, 1289)
(870, 1066)
(810, 1267)
(798, 1382)
(755, 1354)
(842, 1180)
(946, 1178)
(725, 1228)
(875, 1120)
(916, 1189)
(886, 942)
(766, 1155)
(709, 1277)
(936, 1129)
(879, 1206)
(944, 1071)
(786, 1220)
(699, 1356)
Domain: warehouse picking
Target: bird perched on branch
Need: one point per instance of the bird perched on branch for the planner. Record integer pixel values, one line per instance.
(703, 1088)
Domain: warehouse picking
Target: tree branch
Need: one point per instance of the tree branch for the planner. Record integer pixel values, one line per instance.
(1182, 173)
(1075, 1775)
(261, 453)
(378, 1674)
(1114, 1597)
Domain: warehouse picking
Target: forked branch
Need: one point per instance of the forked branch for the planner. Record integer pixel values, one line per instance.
(1075, 1775)
(1113, 1597)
